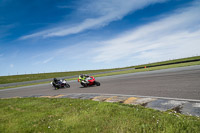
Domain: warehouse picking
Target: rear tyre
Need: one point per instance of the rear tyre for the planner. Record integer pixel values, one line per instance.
(55, 86)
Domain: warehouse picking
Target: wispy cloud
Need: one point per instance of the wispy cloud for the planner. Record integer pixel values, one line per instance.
(47, 60)
(5, 28)
(42, 59)
(11, 65)
(176, 35)
(65, 7)
(1, 57)
(103, 13)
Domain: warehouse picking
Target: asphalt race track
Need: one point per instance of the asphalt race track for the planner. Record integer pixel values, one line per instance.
(172, 83)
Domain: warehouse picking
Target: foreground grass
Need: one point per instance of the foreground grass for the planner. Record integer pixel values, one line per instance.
(31, 77)
(76, 115)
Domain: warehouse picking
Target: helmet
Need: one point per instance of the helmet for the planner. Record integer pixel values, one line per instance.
(55, 79)
(86, 75)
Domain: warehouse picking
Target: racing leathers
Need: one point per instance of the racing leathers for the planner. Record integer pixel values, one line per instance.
(83, 78)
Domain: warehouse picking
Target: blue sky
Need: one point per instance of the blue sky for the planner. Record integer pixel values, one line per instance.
(68, 35)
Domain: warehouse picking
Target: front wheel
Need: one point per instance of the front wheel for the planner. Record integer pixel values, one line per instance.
(97, 83)
(67, 86)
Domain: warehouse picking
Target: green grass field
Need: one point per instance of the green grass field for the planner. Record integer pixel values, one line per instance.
(75, 115)
(150, 69)
(169, 61)
(30, 77)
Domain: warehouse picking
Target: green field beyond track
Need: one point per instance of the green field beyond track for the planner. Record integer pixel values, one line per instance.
(31, 77)
(75, 115)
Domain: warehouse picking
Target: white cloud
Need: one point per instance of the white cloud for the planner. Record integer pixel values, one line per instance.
(5, 29)
(175, 36)
(2, 57)
(11, 65)
(41, 59)
(48, 60)
(103, 12)
(65, 7)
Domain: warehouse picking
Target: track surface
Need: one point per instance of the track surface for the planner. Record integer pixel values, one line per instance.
(175, 83)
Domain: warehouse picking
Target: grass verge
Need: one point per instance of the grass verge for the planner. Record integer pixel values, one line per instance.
(76, 115)
(150, 69)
